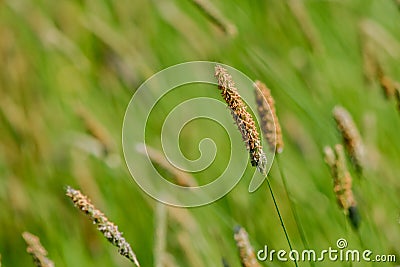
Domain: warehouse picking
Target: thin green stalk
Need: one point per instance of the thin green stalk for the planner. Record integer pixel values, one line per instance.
(280, 218)
(293, 208)
(161, 234)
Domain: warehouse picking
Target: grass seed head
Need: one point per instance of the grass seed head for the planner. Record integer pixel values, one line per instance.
(246, 251)
(342, 183)
(351, 136)
(38, 252)
(270, 125)
(107, 228)
(242, 118)
(388, 86)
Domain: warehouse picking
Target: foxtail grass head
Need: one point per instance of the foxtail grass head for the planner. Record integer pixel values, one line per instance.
(242, 118)
(107, 228)
(388, 86)
(342, 183)
(270, 125)
(246, 251)
(351, 136)
(38, 252)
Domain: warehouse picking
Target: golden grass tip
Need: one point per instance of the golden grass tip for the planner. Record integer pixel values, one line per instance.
(107, 228)
(242, 118)
(38, 252)
(270, 125)
(246, 251)
(351, 136)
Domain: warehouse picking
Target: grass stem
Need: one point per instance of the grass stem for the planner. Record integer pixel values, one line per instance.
(293, 208)
(280, 218)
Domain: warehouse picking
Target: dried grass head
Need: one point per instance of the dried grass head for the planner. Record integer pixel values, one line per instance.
(270, 125)
(242, 118)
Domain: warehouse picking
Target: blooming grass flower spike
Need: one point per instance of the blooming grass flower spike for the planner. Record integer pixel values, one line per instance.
(107, 228)
(351, 136)
(38, 252)
(270, 125)
(242, 118)
(342, 183)
(246, 251)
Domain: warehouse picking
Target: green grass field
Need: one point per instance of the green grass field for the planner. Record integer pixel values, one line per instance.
(69, 67)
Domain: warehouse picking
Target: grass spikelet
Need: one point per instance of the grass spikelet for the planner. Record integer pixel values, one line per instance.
(246, 251)
(351, 136)
(215, 17)
(38, 252)
(342, 183)
(107, 228)
(381, 37)
(270, 125)
(181, 178)
(387, 84)
(330, 158)
(242, 117)
(373, 70)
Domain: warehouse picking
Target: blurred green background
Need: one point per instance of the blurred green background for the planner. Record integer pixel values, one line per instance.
(69, 69)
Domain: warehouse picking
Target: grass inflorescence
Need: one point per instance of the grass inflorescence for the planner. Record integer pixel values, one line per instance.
(37, 251)
(342, 183)
(106, 227)
(270, 125)
(242, 118)
(351, 136)
(246, 251)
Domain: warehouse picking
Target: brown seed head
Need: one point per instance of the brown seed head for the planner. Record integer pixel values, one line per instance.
(242, 117)
(37, 251)
(270, 125)
(351, 136)
(387, 84)
(342, 180)
(330, 157)
(107, 228)
(246, 252)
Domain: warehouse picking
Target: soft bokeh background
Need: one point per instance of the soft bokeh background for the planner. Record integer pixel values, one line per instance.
(69, 69)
